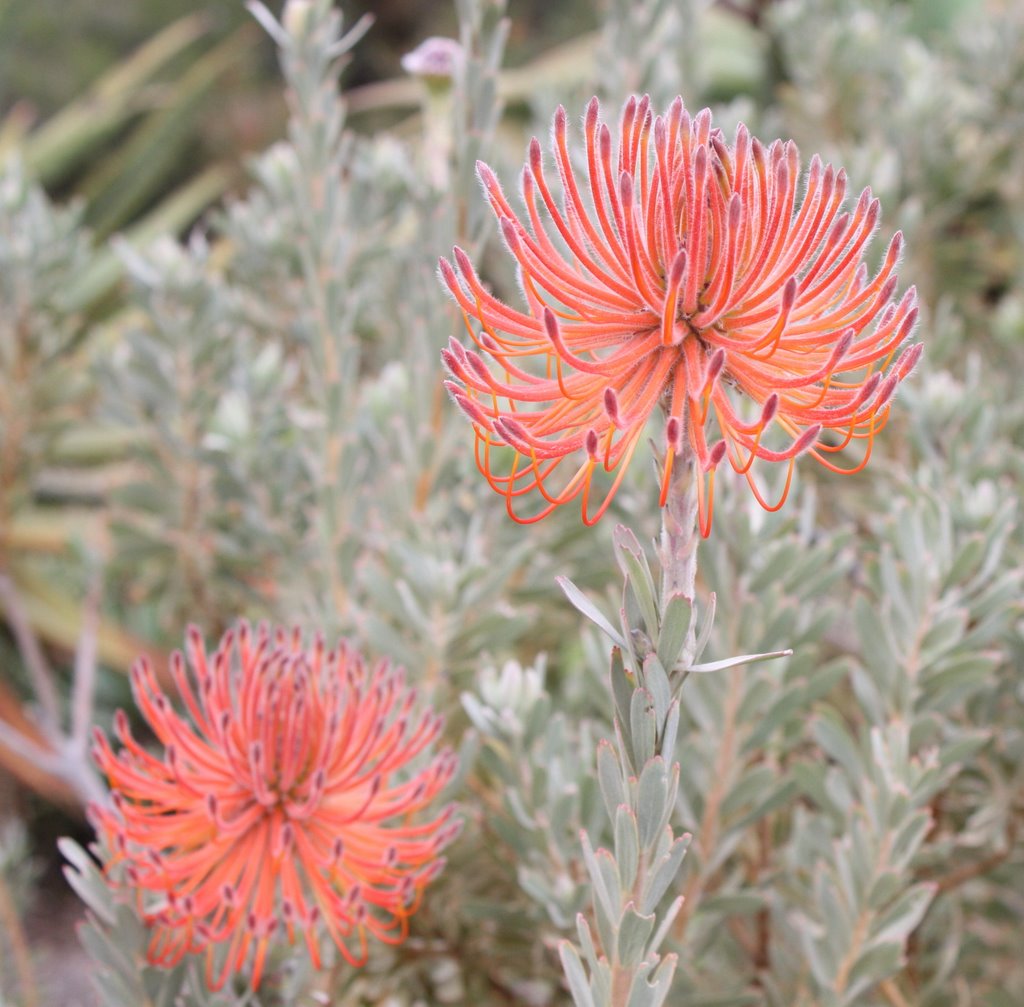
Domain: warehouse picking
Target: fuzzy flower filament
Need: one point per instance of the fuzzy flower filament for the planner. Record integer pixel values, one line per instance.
(283, 803)
(681, 273)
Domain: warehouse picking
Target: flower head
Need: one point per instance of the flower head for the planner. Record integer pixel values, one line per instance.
(435, 59)
(681, 272)
(283, 802)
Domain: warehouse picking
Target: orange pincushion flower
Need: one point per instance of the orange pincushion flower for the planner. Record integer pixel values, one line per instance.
(683, 272)
(283, 802)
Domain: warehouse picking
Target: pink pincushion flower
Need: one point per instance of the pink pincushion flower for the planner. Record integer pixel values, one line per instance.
(683, 273)
(285, 801)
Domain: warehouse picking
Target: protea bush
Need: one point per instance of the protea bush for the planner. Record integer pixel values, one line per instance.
(727, 729)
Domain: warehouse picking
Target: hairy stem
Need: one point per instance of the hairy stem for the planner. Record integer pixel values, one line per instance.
(678, 552)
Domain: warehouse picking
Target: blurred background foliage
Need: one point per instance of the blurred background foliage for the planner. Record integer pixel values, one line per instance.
(220, 395)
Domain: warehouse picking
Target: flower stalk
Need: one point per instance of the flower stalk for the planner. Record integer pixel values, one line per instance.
(639, 778)
(658, 643)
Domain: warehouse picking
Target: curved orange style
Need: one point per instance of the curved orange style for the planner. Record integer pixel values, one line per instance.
(284, 802)
(676, 273)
